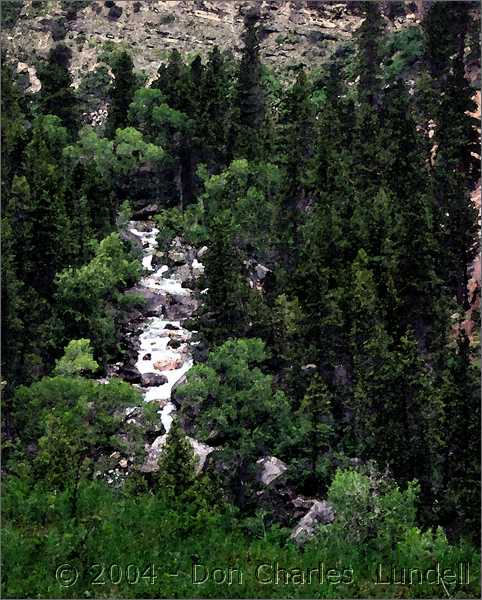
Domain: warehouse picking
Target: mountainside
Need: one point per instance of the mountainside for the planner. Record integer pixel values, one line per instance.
(292, 31)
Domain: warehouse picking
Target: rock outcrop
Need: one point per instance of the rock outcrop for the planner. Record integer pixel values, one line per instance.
(201, 452)
(292, 31)
(320, 513)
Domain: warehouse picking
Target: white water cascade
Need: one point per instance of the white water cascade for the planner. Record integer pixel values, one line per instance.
(155, 355)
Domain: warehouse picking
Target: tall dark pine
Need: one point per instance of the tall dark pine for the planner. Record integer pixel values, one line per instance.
(57, 97)
(366, 143)
(173, 79)
(215, 108)
(225, 312)
(461, 394)
(122, 93)
(369, 53)
(249, 109)
(456, 139)
(297, 140)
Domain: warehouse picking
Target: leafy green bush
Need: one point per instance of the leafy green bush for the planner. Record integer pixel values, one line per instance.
(187, 224)
(402, 49)
(77, 359)
(88, 298)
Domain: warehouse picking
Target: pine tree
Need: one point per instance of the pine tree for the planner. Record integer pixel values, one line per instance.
(173, 80)
(414, 288)
(46, 247)
(397, 410)
(249, 102)
(316, 407)
(57, 97)
(369, 53)
(122, 93)
(176, 464)
(456, 139)
(461, 394)
(225, 313)
(297, 138)
(215, 109)
(13, 124)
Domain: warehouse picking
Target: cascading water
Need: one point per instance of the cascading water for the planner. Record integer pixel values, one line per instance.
(158, 355)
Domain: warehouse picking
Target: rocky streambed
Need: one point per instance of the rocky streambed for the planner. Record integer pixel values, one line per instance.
(159, 346)
(160, 353)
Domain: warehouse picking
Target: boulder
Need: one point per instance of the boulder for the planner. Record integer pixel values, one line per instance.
(261, 271)
(269, 468)
(201, 452)
(142, 213)
(168, 364)
(147, 356)
(175, 399)
(177, 257)
(173, 343)
(202, 251)
(130, 374)
(320, 513)
(182, 273)
(152, 380)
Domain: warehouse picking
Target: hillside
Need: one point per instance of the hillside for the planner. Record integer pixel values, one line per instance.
(240, 299)
(292, 31)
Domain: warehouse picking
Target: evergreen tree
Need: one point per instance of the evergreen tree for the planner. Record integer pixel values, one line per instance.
(174, 82)
(122, 93)
(224, 315)
(297, 138)
(369, 53)
(397, 411)
(215, 109)
(249, 102)
(177, 463)
(456, 140)
(46, 245)
(316, 408)
(461, 394)
(13, 127)
(57, 96)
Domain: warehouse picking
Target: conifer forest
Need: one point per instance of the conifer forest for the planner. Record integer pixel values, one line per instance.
(240, 299)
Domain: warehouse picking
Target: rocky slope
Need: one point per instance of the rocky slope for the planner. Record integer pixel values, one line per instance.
(293, 31)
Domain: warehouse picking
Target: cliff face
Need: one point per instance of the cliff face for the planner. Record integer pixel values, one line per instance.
(292, 31)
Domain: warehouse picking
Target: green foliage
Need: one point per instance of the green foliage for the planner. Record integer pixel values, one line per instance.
(223, 315)
(235, 400)
(250, 192)
(122, 92)
(119, 525)
(87, 297)
(402, 50)
(344, 348)
(176, 463)
(77, 359)
(249, 102)
(57, 96)
(70, 415)
(370, 507)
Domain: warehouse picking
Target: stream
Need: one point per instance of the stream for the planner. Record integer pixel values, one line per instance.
(164, 346)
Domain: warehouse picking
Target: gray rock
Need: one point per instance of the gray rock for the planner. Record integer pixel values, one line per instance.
(261, 271)
(321, 513)
(177, 257)
(201, 452)
(202, 251)
(152, 380)
(269, 468)
(145, 212)
(130, 374)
